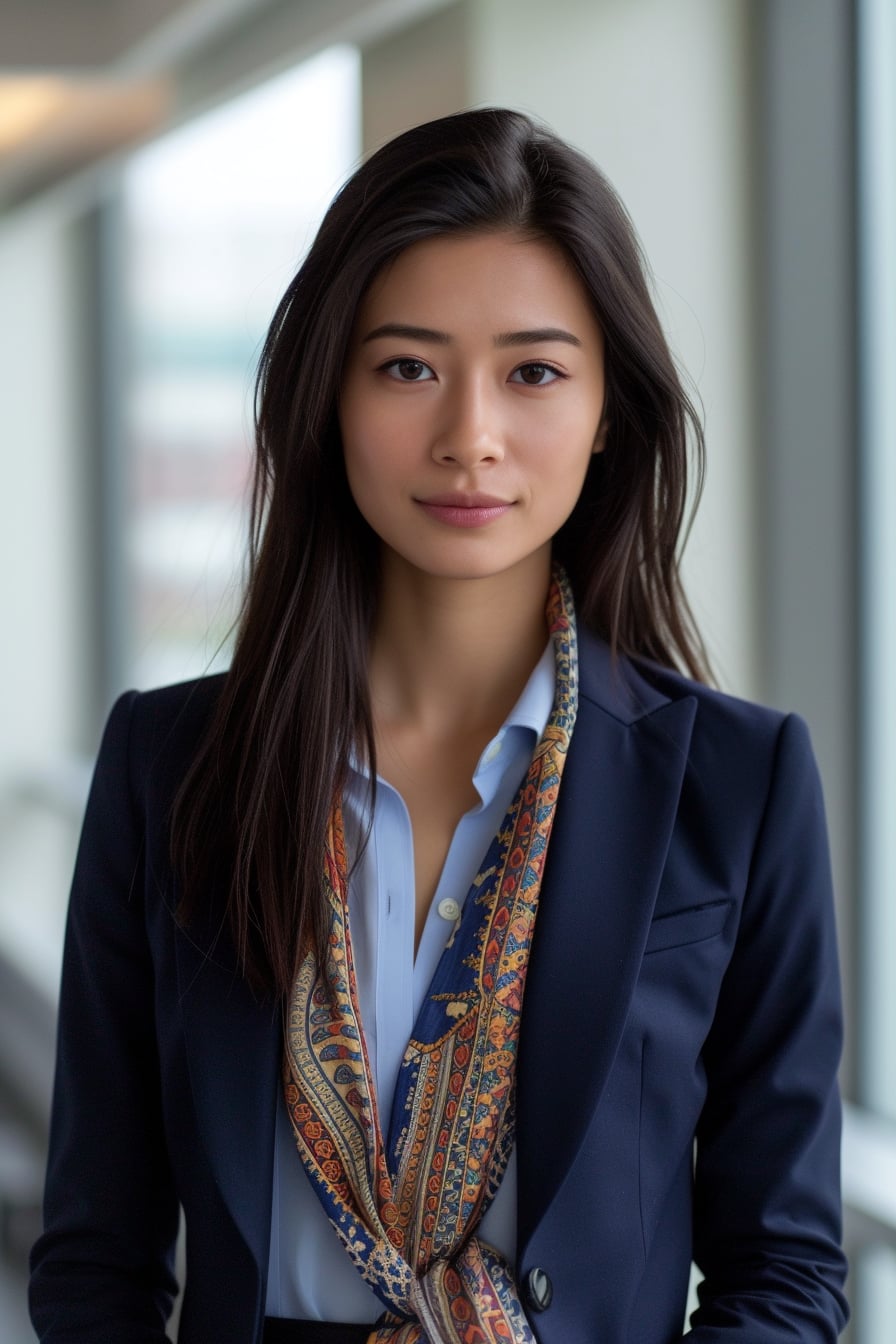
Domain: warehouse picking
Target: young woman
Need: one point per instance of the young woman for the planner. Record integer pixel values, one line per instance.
(460, 967)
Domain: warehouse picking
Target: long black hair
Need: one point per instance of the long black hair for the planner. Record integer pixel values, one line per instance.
(257, 799)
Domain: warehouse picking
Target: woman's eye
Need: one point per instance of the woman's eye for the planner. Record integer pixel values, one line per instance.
(535, 375)
(408, 370)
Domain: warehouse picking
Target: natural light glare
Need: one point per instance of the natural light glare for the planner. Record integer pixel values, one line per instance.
(216, 216)
(282, 147)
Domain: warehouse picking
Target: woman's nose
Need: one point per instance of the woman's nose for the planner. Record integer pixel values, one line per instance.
(471, 431)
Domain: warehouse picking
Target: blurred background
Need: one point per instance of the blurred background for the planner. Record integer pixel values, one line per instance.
(163, 165)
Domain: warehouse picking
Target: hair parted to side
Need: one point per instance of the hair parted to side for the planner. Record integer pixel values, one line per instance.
(256, 802)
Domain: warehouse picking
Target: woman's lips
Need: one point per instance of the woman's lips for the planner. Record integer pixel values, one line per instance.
(465, 510)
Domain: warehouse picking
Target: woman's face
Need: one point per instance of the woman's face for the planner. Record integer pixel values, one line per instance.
(471, 404)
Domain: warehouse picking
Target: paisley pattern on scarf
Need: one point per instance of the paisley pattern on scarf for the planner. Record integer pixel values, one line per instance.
(406, 1203)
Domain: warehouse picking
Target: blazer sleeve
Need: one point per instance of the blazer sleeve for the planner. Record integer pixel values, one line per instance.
(767, 1176)
(103, 1267)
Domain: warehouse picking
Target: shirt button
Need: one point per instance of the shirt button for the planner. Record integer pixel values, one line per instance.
(493, 750)
(448, 909)
(538, 1289)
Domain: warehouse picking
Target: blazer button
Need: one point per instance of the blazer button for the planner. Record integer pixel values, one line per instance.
(539, 1290)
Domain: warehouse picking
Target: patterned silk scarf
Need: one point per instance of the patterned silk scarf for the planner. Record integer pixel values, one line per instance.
(406, 1205)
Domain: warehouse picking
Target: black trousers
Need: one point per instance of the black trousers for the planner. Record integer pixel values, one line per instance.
(313, 1332)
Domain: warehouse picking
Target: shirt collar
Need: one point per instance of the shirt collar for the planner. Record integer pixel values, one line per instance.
(531, 711)
(533, 708)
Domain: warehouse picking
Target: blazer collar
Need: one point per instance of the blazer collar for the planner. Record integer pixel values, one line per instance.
(615, 814)
(617, 685)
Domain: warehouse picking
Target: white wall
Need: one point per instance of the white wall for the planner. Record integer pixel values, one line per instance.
(657, 94)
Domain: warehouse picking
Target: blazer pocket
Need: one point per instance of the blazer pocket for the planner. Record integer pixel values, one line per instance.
(687, 926)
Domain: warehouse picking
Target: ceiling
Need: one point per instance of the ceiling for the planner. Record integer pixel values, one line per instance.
(84, 35)
(83, 79)
(80, 79)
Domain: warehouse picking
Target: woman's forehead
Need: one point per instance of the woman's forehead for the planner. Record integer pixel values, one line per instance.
(502, 282)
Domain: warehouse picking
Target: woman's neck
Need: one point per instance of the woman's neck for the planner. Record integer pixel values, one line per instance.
(453, 655)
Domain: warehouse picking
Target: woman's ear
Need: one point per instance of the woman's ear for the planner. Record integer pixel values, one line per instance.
(600, 438)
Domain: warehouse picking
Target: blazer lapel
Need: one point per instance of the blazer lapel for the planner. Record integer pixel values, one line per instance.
(233, 1056)
(615, 815)
(614, 820)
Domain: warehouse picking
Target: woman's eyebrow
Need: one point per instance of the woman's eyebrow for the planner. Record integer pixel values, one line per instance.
(408, 333)
(535, 337)
(505, 338)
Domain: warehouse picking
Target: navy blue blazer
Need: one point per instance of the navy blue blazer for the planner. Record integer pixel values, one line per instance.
(683, 985)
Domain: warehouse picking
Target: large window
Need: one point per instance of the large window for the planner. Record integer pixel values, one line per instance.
(215, 219)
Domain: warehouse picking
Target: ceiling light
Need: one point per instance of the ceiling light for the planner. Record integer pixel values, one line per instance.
(27, 105)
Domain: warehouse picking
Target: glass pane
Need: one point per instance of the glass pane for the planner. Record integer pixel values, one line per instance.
(216, 217)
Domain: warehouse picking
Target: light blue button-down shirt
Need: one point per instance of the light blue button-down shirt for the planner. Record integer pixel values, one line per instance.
(309, 1274)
